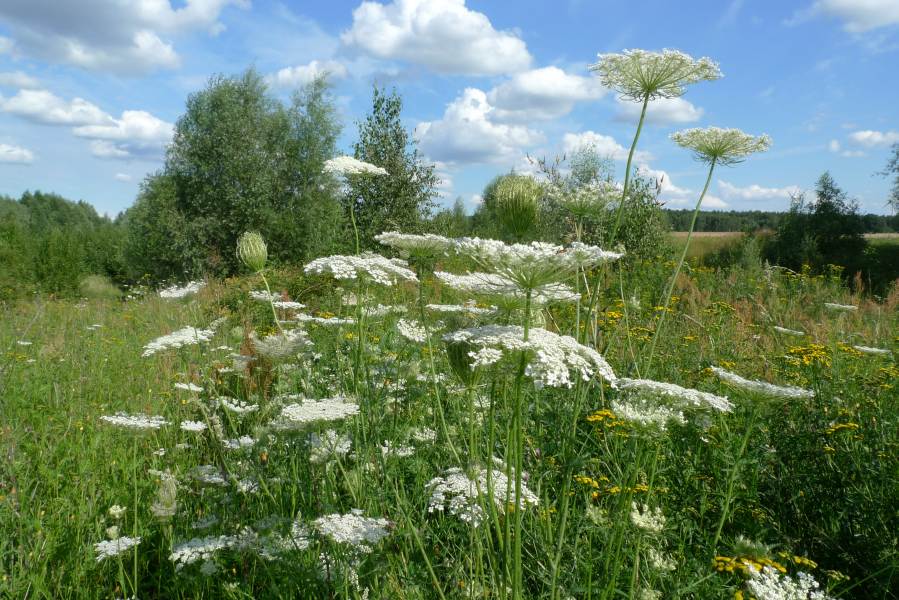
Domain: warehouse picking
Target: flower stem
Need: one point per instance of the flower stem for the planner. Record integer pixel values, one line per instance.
(680, 263)
(627, 169)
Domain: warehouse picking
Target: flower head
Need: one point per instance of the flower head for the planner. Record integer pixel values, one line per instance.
(252, 251)
(585, 199)
(428, 244)
(347, 165)
(375, 267)
(724, 146)
(636, 74)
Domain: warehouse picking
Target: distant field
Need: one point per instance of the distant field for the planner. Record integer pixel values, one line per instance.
(704, 242)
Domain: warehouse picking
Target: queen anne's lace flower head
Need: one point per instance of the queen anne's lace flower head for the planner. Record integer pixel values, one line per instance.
(180, 291)
(553, 356)
(492, 284)
(770, 584)
(353, 529)
(585, 199)
(533, 265)
(412, 330)
(281, 345)
(328, 446)
(134, 421)
(722, 146)
(112, 548)
(375, 267)
(676, 395)
(310, 411)
(185, 336)
(347, 165)
(762, 387)
(428, 244)
(462, 496)
(636, 74)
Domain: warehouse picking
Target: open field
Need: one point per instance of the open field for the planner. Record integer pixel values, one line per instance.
(705, 242)
(240, 494)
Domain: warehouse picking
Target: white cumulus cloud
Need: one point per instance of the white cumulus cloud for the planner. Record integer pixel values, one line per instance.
(443, 35)
(18, 79)
(859, 16)
(109, 35)
(45, 107)
(465, 134)
(874, 139)
(123, 177)
(15, 154)
(603, 144)
(300, 75)
(757, 192)
(663, 111)
(136, 133)
(545, 93)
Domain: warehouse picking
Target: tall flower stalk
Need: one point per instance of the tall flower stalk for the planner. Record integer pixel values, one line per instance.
(713, 146)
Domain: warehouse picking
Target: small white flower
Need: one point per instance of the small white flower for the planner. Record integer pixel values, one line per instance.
(112, 548)
(347, 165)
(135, 421)
(762, 387)
(647, 519)
(377, 268)
(176, 291)
(295, 415)
(194, 426)
(870, 350)
(116, 512)
(353, 529)
(189, 387)
(185, 336)
(412, 330)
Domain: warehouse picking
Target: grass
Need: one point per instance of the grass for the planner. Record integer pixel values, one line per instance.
(808, 484)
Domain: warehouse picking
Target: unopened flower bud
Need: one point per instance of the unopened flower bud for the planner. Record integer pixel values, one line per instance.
(252, 251)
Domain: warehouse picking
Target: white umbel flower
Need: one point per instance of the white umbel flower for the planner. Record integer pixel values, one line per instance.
(193, 426)
(188, 387)
(636, 74)
(679, 396)
(462, 496)
(721, 146)
(177, 291)
(647, 414)
(347, 165)
(870, 350)
(648, 519)
(535, 264)
(185, 336)
(762, 387)
(411, 244)
(497, 285)
(134, 421)
(770, 584)
(469, 307)
(113, 548)
(412, 330)
(840, 307)
(236, 406)
(785, 331)
(353, 529)
(281, 345)
(295, 415)
(553, 356)
(377, 268)
(328, 446)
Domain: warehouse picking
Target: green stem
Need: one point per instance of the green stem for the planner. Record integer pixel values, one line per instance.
(517, 580)
(627, 169)
(732, 480)
(680, 263)
(271, 302)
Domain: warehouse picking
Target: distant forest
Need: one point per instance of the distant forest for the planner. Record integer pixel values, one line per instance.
(733, 220)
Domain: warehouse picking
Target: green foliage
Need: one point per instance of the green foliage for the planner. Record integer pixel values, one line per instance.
(892, 168)
(240, 161)
(403, 199)
(829, 231)
(98, 287)
(517, 200)
(451, 222)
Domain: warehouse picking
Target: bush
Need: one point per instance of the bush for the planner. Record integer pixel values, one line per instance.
(98, 287)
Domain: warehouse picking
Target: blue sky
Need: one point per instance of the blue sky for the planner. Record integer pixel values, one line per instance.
(90, 89)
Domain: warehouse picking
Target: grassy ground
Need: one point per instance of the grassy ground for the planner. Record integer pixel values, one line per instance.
(808, 484)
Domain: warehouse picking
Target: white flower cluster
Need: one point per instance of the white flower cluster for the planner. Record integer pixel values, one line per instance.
(328, 446)
(497, 285)
(424, 434)
(375, 267)
(724, 146)
(870, 350)
(468, 307)
(412, 330)
(188, 387)
(585, 199)
(636, 74)
(193, 426)
(410, 243)
(786, 331)
(462, 496)
(264, 296)
(681, 397)
(304, 318)
(197, 549)
(185, 336)
(353, 529)
(135, 421)
(374, 312)
(236, 406)
(840, 307)
(484, 357)
(762, 387)
(176, 291)
(553, 355)
(310, 411)
(769, 584)
(347, 165)
(647, 414)
(535, 264)
(240, 443)
(391, 450)
(281, 345)
(112, 548)
(648, 519)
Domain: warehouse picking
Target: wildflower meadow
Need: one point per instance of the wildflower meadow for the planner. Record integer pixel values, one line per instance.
(436, 416)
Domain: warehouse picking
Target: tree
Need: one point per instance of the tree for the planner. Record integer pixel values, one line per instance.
(892, 168)
(403, 199)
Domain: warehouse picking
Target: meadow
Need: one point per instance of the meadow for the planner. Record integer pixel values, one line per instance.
(401, 485)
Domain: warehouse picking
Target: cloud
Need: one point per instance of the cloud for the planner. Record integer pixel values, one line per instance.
(18, 79)
(835, 147)
(109, 35)
(664, 111)
(538, 94)
(137, 133)
(6, 45)
(41, 106)
(757, 192)
(465, 134)
(603, 144)
(300, 75)
(15, 154)
(874, 139)
(123, 177)
(858, 16)
(675, 196)
(442, 35)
